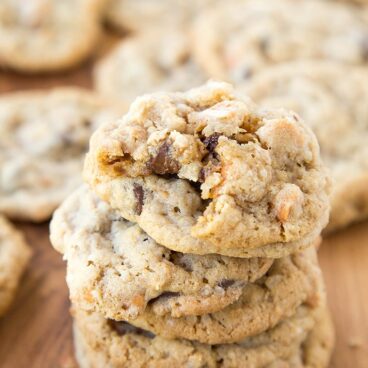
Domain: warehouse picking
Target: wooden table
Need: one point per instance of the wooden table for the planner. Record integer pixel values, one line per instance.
(36, 333)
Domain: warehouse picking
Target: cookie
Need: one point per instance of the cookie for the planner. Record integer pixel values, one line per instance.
(14, 256)
(236, 39)
(290, 282)
(330, 97)
(149, 62)
(47, 35)
(207, 171)
(116, 268)
(43, 138)
(304, 340)
(143, 15)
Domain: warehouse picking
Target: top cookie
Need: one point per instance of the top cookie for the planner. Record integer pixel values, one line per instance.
(206, 171)
(236, 39)
(47, 35)
(331, 97)
(152, 61)
(14, 256)
(43, 138)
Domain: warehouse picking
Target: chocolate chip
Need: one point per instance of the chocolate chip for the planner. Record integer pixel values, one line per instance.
(202, 175)
(139, 196)
(226, 283)
(123, 328)
(163, 163)
(211, 142)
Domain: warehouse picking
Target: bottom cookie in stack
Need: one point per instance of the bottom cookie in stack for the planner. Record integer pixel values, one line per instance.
(302, 340)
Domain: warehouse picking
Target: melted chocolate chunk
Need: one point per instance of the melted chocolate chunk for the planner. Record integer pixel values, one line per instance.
(225, 283)
(163, 163)
(139, 196)
(211, 142)
(123, 328)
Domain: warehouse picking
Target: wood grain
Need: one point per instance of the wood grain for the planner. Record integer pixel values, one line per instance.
(344, 261)
(36, 333)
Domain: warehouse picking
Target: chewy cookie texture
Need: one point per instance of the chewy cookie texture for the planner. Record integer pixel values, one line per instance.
(14, 256)
(217, 173)
(43, 140)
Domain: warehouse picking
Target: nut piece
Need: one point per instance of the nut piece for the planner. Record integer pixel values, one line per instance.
(289, 199)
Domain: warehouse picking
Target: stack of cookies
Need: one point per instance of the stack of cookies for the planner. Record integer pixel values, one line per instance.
(193, 243)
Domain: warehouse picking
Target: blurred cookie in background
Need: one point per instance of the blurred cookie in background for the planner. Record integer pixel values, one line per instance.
(138, 15)
(48, 35)
(43, 138)
(151, 61)
(236, 39)
(14, 256)
(332, 99)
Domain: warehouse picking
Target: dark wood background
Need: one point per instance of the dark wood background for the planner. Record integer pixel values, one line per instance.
(36, 332)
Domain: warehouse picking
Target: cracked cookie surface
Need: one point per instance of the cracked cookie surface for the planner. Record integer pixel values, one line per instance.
(47, 35)
(303, 340)
(236, 39)
(331, 98)
(43, 138)
(14, 256)
(152, 61)
(116, 268)
(207, 171)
